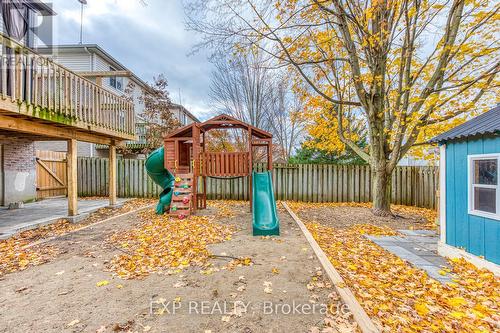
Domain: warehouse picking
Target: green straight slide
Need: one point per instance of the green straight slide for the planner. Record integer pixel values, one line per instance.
(161, 176)
(265, 219)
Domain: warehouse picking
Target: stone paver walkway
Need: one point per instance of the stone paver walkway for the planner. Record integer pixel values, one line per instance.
(43, 212)
(419, 248)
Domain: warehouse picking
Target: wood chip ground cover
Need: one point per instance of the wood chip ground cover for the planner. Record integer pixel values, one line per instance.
(14, 255)
(403, 298)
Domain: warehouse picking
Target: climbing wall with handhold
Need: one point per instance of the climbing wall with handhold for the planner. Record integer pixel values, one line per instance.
(181, 205)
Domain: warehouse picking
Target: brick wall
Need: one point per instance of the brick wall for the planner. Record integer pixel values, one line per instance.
(18, 168)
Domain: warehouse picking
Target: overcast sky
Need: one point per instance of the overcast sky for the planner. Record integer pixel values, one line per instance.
(147, 39)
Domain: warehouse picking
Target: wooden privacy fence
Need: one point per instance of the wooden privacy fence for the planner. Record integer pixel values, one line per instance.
(413, 186)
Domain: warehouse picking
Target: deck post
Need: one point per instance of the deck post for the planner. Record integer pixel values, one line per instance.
(112, 175)
(72, 178)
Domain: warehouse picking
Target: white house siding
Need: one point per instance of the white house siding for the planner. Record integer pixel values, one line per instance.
(77, 62)
(101, 65)
(83, 148)
(137, 95)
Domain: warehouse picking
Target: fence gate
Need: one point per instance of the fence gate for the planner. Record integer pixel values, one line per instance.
(51, 174)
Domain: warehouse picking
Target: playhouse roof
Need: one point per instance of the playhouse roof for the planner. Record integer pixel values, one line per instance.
(486, 123)
(222, 121)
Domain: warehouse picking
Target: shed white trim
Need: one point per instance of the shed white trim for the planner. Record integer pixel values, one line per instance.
(442, 193)
(471, 186)
(451, 252)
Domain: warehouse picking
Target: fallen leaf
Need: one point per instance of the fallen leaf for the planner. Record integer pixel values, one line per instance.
(422, 309)
(102, 283)
(73, 322)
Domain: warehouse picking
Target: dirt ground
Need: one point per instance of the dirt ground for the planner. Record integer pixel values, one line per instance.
(344, 217)
(64, 295)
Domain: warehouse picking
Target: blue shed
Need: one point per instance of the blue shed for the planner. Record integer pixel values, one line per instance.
(470, 191)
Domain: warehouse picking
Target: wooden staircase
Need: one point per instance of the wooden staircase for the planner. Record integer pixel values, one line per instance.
(182, 197)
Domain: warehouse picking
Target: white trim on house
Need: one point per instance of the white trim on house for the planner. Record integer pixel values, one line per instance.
(451, 252)
(471, 186)
(442, 193)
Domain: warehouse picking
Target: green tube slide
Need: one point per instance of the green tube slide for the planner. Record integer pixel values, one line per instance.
(161, 176)
(265, 218)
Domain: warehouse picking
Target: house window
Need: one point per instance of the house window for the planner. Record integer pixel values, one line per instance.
(115, 82)
(484, 190)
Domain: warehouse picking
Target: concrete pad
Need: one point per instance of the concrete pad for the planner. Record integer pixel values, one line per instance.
(422, 239)
(416, 249)
(429, 246)
(418, 232)
(437, 260)
(44, 212)
(420, 250)
(407, 255)
(433, 272)
(77, 218)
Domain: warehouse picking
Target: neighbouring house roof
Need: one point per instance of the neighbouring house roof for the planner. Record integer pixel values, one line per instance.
(181, 107)
(486, 123)
(94, 48)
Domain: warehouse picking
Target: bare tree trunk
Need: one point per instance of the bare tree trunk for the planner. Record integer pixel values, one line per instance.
(381, 191)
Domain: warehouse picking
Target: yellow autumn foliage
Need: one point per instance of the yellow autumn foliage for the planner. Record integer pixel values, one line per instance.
(402, 298)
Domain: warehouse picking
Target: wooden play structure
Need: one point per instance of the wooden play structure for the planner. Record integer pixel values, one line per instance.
(186, 154)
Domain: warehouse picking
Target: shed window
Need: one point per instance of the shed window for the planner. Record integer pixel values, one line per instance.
(484, 196)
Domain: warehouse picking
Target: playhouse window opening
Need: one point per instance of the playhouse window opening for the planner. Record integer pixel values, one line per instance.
(484, 197)
(231, 140)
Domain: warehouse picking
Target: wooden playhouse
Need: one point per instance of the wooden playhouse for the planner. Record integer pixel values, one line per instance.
(186, 155)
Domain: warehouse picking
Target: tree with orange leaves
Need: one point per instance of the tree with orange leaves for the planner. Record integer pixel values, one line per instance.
(403, 68)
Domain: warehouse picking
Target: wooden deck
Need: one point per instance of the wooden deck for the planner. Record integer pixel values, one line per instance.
(36, 92)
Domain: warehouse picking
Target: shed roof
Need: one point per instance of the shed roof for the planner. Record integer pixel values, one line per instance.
(486, 123)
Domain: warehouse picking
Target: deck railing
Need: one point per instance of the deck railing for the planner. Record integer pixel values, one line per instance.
(38, 87)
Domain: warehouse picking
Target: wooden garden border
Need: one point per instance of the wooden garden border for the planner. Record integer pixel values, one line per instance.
(365, 323)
